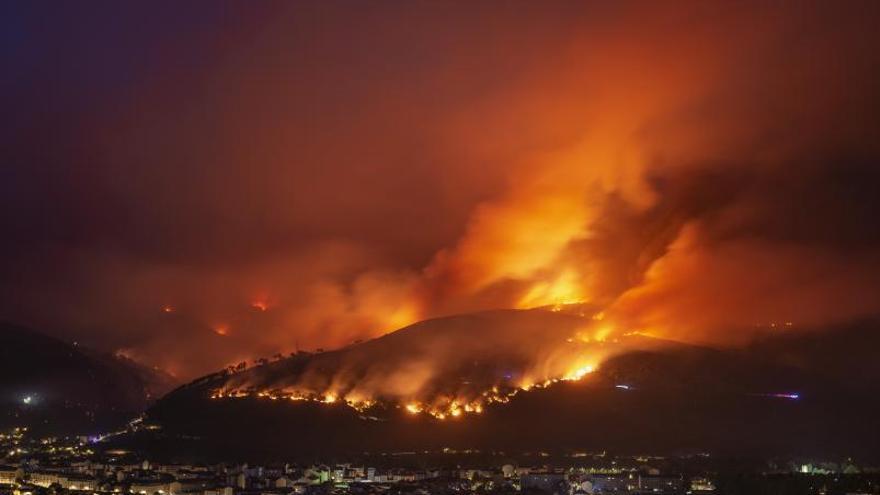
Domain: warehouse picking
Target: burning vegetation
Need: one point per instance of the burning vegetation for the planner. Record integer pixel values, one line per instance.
(447, 367)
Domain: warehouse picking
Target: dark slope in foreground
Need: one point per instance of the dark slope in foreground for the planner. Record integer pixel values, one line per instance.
(52, 386)
(677, 398)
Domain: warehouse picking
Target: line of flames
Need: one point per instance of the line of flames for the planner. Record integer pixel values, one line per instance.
(441, 408)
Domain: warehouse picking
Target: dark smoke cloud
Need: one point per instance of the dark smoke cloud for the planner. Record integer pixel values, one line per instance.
(355, 168)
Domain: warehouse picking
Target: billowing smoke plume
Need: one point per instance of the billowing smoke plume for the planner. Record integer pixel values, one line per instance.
(308, 176)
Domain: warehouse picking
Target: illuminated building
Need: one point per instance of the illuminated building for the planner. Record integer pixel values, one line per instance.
(9, 475)
(702, 485)
(163, 484)
(45, 478)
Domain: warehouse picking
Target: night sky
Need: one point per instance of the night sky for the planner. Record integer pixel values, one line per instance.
(196, 183)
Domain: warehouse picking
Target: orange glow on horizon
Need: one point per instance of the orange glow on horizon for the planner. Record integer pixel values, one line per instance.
(403, 316)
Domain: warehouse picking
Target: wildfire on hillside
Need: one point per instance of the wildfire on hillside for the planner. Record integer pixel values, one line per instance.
(453, 375)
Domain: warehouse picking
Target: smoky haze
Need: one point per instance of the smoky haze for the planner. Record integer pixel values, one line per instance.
(195, 185)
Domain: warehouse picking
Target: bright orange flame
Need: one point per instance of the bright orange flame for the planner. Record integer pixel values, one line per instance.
(167, 309)
(602, 333)
(222, 330)
(579, 373)
(260, 305)
(564, 289)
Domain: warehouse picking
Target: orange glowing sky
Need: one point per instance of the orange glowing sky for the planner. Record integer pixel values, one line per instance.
(259, 179)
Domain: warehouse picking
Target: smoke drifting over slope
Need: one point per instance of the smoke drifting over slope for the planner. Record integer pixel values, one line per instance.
(446, 367)
(295, 176)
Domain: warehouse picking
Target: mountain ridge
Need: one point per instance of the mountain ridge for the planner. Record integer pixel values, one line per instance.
(662, 397)
(48, 384)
